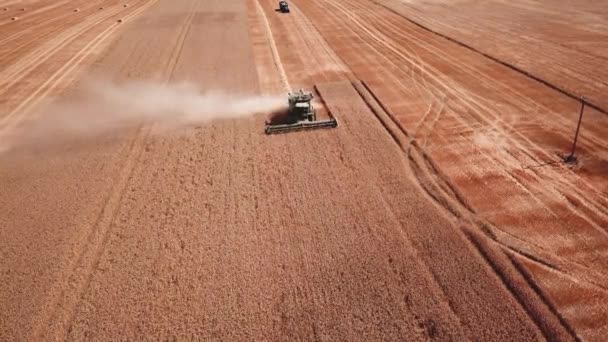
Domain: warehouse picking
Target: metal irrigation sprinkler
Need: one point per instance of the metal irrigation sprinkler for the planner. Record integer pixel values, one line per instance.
(571, 158)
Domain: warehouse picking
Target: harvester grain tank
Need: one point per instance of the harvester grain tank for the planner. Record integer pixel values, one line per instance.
(300, 116)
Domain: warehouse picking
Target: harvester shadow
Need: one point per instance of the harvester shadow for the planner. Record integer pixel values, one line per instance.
(280, 117)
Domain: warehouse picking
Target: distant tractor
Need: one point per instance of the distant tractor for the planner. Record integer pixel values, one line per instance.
(283, 6)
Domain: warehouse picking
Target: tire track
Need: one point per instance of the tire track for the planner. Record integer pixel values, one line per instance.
(478, 109)
(538, 314)
(46, 31)
(181, 39)
(54, 322)
(31, 22)
(331, 63)
(450, 86)
(299, 41)
(576, 272)
(495, 59)
(413, 57)
(516, 98)
(12, 119)
(42, 24)
(383, 184)
(579, 304)
(382, 56)
(485, 109)
(551, 323)
(444, 84)
(82, 272)
(22, 69)
(273, 46)
(530, 281)
(269, 79)
(46, 317)
(442, 193)
(47, 54)
(30, 14)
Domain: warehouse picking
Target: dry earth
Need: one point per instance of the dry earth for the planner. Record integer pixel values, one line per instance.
(439, 209)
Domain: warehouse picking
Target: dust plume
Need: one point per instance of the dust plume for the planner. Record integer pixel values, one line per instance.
(102, 107)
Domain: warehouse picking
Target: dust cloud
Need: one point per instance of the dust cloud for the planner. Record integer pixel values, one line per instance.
(103, 107)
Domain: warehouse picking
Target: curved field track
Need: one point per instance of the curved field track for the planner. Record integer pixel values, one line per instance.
(439, 209)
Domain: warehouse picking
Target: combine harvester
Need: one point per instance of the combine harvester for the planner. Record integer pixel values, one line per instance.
(300, 116)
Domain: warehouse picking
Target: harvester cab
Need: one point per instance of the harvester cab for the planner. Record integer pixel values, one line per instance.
(300, 107)
(283, 6)
(300, 115)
